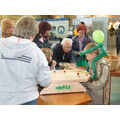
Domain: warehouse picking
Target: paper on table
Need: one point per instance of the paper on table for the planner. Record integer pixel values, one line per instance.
(66, 87)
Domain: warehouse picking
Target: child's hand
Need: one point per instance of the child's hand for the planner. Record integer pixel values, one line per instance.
(72, 64)
(54, 63)
(76, 53)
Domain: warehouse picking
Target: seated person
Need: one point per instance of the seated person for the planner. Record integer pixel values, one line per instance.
(62, 52)
(49, 53)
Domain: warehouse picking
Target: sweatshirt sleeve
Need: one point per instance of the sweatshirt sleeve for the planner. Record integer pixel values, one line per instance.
(43, 74)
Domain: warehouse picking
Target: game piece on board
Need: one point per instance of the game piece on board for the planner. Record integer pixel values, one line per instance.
(64, 70)
(78, 73)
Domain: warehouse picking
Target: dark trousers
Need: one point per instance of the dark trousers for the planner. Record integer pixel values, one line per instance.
(34, 102)
(118, 44)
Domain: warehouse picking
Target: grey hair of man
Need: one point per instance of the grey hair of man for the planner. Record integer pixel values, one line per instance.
(66, 40)
(26, 27)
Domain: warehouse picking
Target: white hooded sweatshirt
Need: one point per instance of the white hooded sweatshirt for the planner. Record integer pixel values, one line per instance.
(22, 66)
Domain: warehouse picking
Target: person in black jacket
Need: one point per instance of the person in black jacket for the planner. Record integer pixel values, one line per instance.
(41, 38)
(62, 52)
(117, 33)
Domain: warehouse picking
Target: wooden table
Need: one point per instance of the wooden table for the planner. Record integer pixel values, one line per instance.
(78, 98)
(65, 99)
(113, 74)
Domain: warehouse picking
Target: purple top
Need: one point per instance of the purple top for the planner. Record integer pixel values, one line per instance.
(81, 44)
(42, 40)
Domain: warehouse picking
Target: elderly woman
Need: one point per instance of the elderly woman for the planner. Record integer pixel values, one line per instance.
(7, 28)
(23, 65)
(41, 38)
(80, 41)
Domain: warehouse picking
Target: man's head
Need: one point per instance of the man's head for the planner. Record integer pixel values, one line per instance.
(93, 54)
(82, 23)
(26, 27)
(66, 44)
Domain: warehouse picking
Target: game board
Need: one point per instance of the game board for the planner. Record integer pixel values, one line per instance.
(66, 87)
(70, 75)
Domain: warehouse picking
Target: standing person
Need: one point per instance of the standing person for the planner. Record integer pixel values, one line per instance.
(75, 30)
(41, 38)
(112, 30)
(96, 87)
(62, 52)
(79, 42)
(117, 33)
(7, 28)
(23, 65)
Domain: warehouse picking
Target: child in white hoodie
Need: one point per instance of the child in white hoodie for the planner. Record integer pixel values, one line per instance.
(23, 65)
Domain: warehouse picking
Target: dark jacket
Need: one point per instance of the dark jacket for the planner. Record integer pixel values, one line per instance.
(75, 45)
(40, 44)
(75, 48)
(60, 56)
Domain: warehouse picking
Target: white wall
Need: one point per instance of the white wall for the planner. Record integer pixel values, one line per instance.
(57, 24)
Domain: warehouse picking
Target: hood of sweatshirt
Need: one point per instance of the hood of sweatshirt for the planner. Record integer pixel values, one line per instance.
(14, 47)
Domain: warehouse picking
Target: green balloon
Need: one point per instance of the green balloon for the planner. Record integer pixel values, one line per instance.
(98, 36)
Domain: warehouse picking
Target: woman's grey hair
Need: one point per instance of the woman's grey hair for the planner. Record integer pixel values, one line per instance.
(26, 27)
(66, 40)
